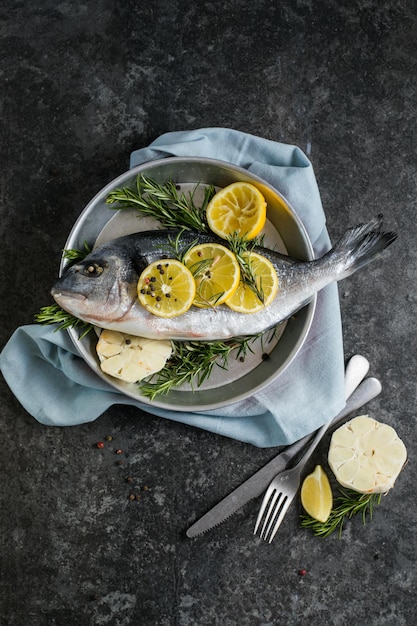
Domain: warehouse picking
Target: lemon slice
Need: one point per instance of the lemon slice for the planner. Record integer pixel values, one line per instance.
(238, 208)
(366, 455)
(244, 299)
(166, 288)
(216, 273)
(316, 495)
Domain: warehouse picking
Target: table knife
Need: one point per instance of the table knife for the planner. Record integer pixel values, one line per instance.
(256, 484)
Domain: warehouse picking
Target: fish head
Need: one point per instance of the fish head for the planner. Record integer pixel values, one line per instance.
(101, 287)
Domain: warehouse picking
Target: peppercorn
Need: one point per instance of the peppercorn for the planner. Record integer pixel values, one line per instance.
(302, 572)
(137, 496)
(108, 438)
(132, 496)
(129, 479)
(118, 451)
(100, 444)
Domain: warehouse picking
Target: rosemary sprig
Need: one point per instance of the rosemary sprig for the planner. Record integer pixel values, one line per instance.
(54, 314)
(164, 202)
(192, 362)
(241, 248)
(350, 503)
(74, 254)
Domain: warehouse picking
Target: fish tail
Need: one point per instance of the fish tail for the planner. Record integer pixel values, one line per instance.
(361, 244)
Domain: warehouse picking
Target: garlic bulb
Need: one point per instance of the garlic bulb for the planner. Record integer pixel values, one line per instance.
(366, 455)
(131, 358)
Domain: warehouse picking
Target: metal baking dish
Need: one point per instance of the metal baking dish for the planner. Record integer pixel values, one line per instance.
(98, 222)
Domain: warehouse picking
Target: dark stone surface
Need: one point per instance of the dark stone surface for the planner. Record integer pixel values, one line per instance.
(82, 85)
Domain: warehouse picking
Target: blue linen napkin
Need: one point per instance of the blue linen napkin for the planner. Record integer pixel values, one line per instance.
(54, 384)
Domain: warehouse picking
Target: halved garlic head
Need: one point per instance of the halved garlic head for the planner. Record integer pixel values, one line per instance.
(366, 455)
(131, 358)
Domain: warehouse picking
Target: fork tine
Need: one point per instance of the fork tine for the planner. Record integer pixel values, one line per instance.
(273, 512)
(265, 501)
(269, 517)
(286, 503)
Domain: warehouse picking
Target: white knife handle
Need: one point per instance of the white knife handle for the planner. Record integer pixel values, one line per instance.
(356, 370)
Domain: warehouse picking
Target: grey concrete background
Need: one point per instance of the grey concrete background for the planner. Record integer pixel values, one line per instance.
(82, 85)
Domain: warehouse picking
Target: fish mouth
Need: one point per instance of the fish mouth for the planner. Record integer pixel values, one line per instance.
(61, 294)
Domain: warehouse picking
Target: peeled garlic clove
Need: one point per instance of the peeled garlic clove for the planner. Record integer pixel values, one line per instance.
(109, 343)
(105, 350)
(366, 455)
(131, 358)
(115, 366)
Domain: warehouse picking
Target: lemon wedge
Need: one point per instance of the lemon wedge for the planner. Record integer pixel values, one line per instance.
(316, 495)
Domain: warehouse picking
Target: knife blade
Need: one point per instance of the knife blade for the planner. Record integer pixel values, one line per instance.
(256, 484)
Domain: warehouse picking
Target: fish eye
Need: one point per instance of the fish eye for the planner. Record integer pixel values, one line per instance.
(93, 270)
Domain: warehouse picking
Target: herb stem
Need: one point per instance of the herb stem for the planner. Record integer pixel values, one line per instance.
(192, 362)
(350, 503)
(74, 254)
(172, 208)
(242, 248)
(54, 314)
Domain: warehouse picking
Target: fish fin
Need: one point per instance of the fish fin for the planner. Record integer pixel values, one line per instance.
(361, 244)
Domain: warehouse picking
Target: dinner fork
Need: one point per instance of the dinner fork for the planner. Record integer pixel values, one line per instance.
(284, 487)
